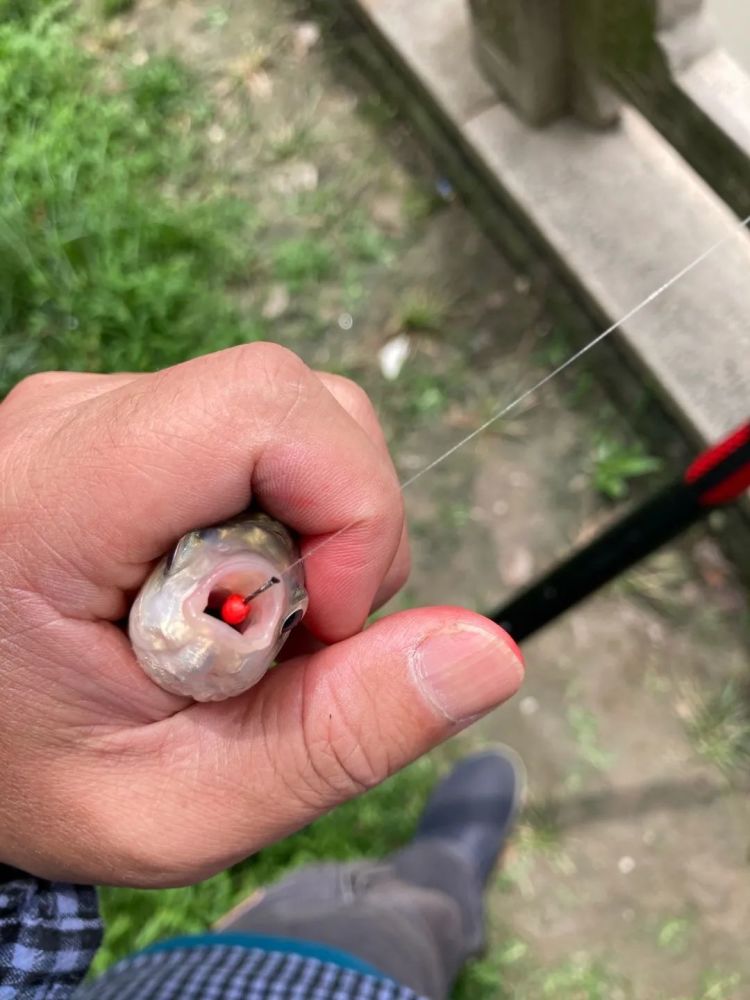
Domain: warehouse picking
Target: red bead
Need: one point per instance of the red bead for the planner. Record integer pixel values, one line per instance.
(234, 611)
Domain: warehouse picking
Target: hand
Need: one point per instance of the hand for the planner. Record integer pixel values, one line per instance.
(106, 778)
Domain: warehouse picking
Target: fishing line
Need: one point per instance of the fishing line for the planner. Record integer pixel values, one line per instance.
(572, 360)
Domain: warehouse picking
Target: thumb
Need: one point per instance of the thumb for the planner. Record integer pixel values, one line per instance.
(232, 777)
(324, 728)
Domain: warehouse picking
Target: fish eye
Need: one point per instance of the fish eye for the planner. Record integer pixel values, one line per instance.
(293, 619)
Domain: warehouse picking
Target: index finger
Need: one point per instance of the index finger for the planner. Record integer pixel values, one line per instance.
(135, 468)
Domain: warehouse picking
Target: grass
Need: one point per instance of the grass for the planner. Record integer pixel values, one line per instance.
(301, 260)
(615, 464)
(111, 8)
(422, 311)
(540, 831)
(585, 729)
(581, 978)
(109, 257)
(719, 986)
(289, 141)
(719, 728)
(674, 934)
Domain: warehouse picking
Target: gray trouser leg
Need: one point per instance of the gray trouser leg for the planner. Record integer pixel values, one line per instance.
(417, 916)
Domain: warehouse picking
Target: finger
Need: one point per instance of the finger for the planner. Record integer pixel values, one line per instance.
(135, 468)
(356, 402)
(322, 729)
(300, 643)
(45, 392)
(397, 575)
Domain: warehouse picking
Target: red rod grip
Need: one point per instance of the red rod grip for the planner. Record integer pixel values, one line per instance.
(736, 482)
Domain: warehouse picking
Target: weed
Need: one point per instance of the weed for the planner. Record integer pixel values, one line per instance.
(581, 978)
(512, 951)
(482, 980)
(111, 8)
(289, 141)
(368, 245)
(673, 934)
(378, 110)
(418, 395)
(583, 384)
(585, 729)
(301, 260)
(554, 348)
(540, 830)
(616, 464)
(160, 87)
(456, 514)
(216, 17)
(422, 311)
(719, 727)
(720, 986)
(421, 203)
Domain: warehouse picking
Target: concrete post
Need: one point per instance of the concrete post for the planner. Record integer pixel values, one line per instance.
(554, 57)
(550, 58)
(542, 56)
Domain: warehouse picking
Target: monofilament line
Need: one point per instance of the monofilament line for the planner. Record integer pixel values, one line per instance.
(574, 357)
(657, 293)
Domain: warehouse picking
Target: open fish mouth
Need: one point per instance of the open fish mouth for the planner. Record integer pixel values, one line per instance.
(212, 617)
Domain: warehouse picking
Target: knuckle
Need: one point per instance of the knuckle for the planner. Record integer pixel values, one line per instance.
(402, 569)
(350, 395)
(383, 512)
(30, 389)
(269, 360)
(279, 378)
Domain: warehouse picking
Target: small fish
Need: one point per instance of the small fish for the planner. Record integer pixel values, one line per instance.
(211, 618)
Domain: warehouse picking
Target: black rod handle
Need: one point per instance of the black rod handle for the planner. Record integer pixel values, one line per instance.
(718, 477)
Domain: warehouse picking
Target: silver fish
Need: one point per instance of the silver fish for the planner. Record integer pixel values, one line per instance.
(175, 625)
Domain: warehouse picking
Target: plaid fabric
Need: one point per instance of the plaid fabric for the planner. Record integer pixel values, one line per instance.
(231, 972)
(49, 933)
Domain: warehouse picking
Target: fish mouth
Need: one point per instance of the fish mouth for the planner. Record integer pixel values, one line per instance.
(242, 577)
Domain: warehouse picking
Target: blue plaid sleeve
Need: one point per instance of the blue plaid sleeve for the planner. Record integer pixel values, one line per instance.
(49, 933)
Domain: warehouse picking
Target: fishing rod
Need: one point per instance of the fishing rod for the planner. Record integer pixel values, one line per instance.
(715, 479)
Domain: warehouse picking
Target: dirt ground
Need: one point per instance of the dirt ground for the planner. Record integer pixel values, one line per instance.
(629, 877)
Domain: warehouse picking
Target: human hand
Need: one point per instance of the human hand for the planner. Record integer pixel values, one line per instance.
(104, 777)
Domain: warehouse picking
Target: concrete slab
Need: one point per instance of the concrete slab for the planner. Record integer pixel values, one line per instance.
(433, 38)
(620, 212)
(623, 214)
(720, 88)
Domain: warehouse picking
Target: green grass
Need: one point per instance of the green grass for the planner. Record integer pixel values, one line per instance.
(423, 311)
(719, 728)
(540, 830)
(581, 978)
(108, 257)
(674, 934)
(111, 8)
(585, 730)
(719, 986)
(615, 464)
(302, 260)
